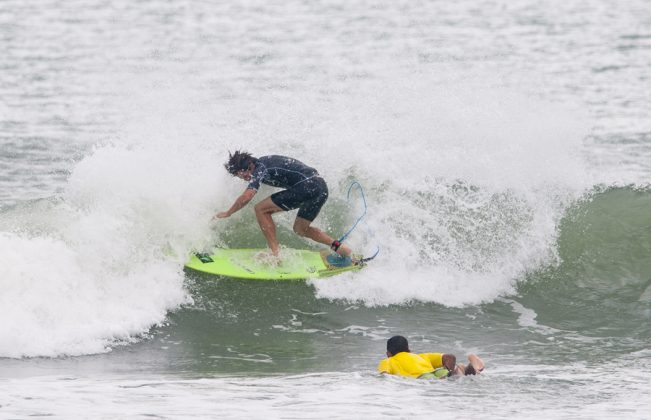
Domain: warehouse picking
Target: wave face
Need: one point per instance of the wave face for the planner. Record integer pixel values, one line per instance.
(461, 211)
(477, 155)
(505, 153)
(602, 285)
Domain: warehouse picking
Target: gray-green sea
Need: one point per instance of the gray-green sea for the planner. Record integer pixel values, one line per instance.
(503, 149)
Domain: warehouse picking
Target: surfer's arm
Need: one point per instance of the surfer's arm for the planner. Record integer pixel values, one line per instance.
(438, 360)
(384, 367)
(240, 202)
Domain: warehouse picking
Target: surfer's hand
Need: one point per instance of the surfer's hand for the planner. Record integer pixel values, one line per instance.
(222, 215)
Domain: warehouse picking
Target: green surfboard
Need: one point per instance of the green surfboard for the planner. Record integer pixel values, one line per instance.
(295, 264)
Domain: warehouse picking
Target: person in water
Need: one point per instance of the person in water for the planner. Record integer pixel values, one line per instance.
(401, 361)
(304, 189)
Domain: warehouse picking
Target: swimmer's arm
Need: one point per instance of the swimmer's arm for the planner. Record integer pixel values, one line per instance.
(435, 359)
(383, 367)
(449, 361)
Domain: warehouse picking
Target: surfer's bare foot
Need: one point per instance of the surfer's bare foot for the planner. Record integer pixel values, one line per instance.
(269, 258)
(344, 251)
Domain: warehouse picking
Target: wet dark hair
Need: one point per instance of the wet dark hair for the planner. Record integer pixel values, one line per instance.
(239, 161)
(397, 344)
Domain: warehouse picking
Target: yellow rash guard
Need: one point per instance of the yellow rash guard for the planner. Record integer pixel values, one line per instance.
(410, 364)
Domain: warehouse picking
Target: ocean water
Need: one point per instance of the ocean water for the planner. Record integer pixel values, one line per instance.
(504, 151)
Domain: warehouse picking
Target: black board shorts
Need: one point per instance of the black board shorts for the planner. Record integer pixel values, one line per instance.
(308, 196)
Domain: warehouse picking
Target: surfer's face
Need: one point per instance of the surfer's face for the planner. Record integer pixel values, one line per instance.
(245, 175)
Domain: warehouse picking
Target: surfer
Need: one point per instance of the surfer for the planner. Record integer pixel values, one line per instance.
(304, 189)
(401, 361)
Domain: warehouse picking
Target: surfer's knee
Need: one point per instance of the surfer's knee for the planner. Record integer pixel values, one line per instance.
(266, 206)
(261, 208)
(300, 229)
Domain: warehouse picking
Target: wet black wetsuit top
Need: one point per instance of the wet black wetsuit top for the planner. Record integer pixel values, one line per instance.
(304, 188)
(280, 171)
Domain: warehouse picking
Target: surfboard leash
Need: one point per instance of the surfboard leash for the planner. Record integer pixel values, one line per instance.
(364, 260)
(361, 190)
(337, 243)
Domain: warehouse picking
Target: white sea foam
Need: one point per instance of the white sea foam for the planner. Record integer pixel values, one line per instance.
(464, 190)
(339, 395)
(55, 302)
(465, 187)
(104, 263)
